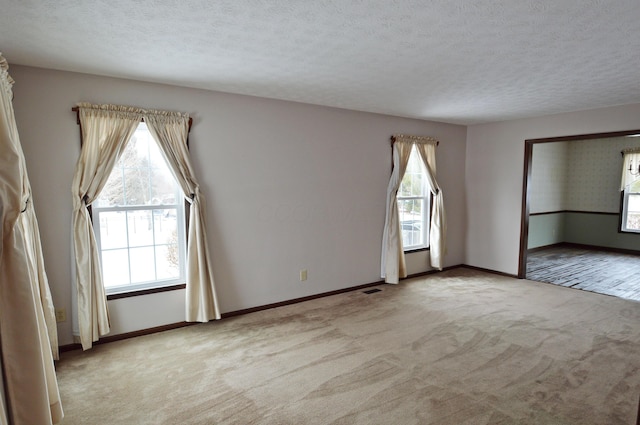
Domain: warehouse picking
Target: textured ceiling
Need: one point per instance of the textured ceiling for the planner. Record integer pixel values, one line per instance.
(458, 61)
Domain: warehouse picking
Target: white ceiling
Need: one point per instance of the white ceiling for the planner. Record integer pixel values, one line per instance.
(458, 61)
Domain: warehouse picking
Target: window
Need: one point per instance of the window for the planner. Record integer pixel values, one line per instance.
(138, 220)
(631, 208)
(414, 198)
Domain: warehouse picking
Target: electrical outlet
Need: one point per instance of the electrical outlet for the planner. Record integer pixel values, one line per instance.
(61, 315)
(303, 275)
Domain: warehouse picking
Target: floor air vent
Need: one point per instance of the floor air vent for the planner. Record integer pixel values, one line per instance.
(372, 291)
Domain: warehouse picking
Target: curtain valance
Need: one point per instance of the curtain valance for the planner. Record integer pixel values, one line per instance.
(630, 167)
(7, 81)
(134, 112)
(630, 150)
(414, 139)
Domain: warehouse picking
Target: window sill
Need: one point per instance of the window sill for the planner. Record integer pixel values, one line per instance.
(411, 251)
(139, 292)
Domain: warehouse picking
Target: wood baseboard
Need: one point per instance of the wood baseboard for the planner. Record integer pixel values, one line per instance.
(602, 248)
(480, 269)
(543, 247)
(584, 246)
(299, 300)
(119, 337)
(107, 339)
(127, 335)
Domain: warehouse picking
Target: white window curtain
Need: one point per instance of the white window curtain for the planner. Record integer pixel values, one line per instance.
(392, 258)
(631, 159)
(438, 225)
(106, 129)
(28, 340)
(170, 131)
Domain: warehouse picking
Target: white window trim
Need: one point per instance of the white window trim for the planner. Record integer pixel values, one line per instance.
(160, 283)
(625, 210)
(425, 220)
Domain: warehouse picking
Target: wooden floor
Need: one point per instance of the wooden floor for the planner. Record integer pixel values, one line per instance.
(595, 271)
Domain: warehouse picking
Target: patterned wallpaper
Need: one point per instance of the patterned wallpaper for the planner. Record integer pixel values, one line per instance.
(548, 185)
(578, 175)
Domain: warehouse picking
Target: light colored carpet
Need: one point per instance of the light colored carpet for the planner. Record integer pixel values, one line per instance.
(459, 347)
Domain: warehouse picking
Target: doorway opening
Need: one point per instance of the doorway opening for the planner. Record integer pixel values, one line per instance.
(571, 212)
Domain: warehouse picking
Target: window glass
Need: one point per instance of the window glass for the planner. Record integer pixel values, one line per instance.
(413, 204)
(139, 220)
(631, 205)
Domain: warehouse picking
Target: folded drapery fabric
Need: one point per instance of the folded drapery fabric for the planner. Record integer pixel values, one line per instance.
(170, 131)
(28, 341)
(105, 133)
(392, 259)
(438, 228)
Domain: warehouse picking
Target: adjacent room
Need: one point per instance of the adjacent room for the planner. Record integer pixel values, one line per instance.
(582, 215)
(279, 212)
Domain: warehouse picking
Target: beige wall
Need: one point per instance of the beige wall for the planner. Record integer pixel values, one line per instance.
(288, 186)
(494, 177)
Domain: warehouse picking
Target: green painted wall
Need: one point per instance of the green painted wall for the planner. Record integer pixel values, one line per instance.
(598, 230)
(546, 229)
(580, 228)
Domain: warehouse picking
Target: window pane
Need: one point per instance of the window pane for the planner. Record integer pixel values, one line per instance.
(137, 186)
(410, 209)
(115, 268)
(412, 185)
(166, 226)
(633, 212)
(167, 264)
(140, 226)
(164, 189)
(411, 222)
(413, 182)
(112, 194)
(142, 264)
(113, 230)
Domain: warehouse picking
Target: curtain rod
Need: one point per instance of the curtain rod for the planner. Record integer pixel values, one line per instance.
(77, 111)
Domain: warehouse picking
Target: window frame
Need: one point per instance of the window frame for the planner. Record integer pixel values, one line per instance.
(426, 209)
(624, 210)
(176, 284)
(181, 234)
(626, 193)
